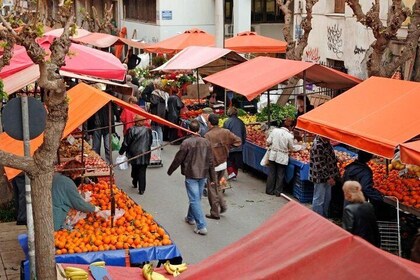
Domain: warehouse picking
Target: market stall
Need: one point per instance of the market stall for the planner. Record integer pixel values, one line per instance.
(376, 116)
(307, 246)
(410, 153)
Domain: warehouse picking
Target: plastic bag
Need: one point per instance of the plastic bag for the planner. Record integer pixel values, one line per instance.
(73, 217)
(105, 214)
(265, 159)
(87, 196)
(115, 142)
(121, 160)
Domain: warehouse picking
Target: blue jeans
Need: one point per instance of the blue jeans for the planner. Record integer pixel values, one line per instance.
(195, 189)
(96, 144)
(322, 198)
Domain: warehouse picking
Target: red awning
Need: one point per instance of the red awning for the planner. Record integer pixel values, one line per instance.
(84, 102)
(192, 37)
(376, 116)
(255, 76)
(251, 42)
(297, 243)
(80, 60)
(410, 152)
(208, 59)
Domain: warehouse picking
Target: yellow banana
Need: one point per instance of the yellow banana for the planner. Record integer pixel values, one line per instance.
(147, 271)
(180, 267)
(71, 269)
(166, 265)
(98, 263)
(158, 276)
(176, 273)
(79, 277)
(76, 273)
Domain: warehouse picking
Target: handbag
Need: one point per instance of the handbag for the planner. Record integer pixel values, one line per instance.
(115, 142)
(265, 158)
(121, 162)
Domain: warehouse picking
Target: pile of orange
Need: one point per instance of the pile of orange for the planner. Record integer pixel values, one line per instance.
(406, 190)
(135, 229)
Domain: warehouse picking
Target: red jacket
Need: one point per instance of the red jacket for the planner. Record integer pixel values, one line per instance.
(127, 118)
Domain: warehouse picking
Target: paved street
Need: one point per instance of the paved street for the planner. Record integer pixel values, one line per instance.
(166, 199)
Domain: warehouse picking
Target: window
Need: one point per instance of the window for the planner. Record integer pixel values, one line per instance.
(142, 10)
(262, 11)
(339, 6)
(228, 11)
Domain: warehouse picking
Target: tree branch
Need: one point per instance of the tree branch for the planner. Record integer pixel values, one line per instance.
(18, 162)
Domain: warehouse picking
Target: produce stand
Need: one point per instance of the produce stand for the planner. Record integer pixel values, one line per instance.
(402, 207)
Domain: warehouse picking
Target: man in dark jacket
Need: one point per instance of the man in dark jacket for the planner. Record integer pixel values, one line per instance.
(221, 140)
(203, 120)
(359, 171)
(138, 140)
(158, 101)
(196, 160)
(237, 127)
(174, 107)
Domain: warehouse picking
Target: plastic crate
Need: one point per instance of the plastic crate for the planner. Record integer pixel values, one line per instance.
(303, 190)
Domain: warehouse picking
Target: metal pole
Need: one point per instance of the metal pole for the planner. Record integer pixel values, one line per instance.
(110, 164)
(268, 109)
(29, 213)
(304, 100)
(198, 88)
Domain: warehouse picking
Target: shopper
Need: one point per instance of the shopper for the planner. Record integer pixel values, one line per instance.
(135, 89)
(359, 216)
(138, 141)
(196, 161)
(279, 144)
(203, 120)
(303, 105)
(127, 116)
(174, 107)
(65, 195)
(132, 60)
(237, 127)
(360, 171)
(323, 172)
(221, 140)
(158, 104)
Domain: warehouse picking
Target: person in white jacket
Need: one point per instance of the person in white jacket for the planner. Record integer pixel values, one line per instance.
(279, 143)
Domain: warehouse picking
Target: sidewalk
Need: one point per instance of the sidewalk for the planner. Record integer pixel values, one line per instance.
(10, 252)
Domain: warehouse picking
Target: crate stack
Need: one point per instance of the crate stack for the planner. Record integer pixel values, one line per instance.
(303, 190)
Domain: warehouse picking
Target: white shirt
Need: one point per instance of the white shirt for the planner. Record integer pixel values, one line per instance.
(280, 142)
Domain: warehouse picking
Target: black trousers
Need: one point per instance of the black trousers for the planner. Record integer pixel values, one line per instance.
(138, 173)
(275, 179)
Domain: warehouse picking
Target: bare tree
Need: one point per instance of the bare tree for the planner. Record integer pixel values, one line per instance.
(40, 167)
(99, 24)
(381, 61)
(294, 48)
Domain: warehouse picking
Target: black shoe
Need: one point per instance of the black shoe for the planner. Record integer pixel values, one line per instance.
(134, 184)
(205, 192)
(269, 193)
(278, 194)
(141, 192)
(223, 210)
(208, 216)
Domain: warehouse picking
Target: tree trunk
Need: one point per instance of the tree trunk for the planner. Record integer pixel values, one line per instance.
(285, 95)
(44, 237)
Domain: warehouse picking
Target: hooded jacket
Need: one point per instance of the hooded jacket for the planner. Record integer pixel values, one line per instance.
(361, 172)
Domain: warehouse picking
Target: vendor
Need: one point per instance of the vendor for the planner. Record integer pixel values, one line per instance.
(303, 105)
(65, 194)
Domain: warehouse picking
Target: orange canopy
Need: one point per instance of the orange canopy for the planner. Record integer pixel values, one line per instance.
(84, 102)
(192, 37)
(375, 116)
(255, 76)
(296, 243)
(410, 152)
(251, 42)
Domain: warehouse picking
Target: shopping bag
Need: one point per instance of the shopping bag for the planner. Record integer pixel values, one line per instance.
(265, 159)
(121, 160)
(115, 142)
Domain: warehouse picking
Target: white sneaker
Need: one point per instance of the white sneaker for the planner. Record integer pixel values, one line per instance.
(232, 176)
(202, 231)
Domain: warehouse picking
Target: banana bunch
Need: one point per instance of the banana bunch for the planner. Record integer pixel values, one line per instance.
(98, 263)
(75, 273)
(248, 119)
(175, 270)
(149, 274)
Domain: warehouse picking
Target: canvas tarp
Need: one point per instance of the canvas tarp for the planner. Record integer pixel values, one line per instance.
(102, 40)
(296, 243)
(84, 101)
(257, 75)
(376, 116)
(192, 37)
(209, 60)
(251, 42)
(410, 152)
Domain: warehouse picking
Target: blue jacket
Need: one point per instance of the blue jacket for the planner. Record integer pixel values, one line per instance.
(361, 172)
(237, 127)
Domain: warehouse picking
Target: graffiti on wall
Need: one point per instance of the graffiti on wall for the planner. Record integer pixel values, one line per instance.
(311, 55)
(359, 50)
(335, 40)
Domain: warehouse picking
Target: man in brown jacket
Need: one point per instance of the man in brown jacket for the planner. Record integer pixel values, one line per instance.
(221, 141)
(196, 160)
